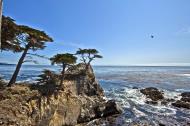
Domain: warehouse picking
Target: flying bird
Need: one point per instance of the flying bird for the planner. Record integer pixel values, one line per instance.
(152, 36)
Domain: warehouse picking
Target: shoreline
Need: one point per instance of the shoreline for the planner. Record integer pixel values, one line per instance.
(136, 105)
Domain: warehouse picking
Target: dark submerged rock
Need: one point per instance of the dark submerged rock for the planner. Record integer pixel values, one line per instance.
(185, 99)
(111, 108)
(152, 102)
(185, 94)
(152, 93)
(181, 104)
(160, 124)
(135, 88)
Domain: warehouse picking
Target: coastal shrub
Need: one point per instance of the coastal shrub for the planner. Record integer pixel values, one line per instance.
(48, 78)
(64, 60)
(47, 83)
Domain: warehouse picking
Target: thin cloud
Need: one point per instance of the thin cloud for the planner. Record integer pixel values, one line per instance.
(184, 31)
(76, 45)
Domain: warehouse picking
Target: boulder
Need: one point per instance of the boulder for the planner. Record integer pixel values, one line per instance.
(152, 93)
(185, 94)
(181, 104)
(184, 102)
(111, 108)
(185, 99)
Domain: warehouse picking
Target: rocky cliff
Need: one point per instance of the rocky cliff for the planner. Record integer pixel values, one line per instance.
(80, 100)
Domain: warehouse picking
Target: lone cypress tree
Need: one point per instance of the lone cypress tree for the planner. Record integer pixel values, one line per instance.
(88, 55)
(64, 60)
(29, 39)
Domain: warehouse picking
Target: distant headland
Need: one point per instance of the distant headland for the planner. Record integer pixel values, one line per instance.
(6, 64)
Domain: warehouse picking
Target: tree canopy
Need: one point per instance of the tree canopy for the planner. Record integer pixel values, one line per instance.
(9, 35)
(66, 58)
(88, 55)
(15, 37)
(25, 38)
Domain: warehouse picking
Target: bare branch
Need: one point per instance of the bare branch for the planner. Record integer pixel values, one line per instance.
(34, 61)
(37, 55)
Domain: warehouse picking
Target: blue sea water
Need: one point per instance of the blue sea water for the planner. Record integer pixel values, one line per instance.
(119, 82)
(169, 78)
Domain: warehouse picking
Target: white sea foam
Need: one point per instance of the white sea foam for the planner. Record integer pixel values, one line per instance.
(138, 98)
(185, 75)
(135, 96)
(182, 90)
(172, 95)
(163, 110)
(138, 113)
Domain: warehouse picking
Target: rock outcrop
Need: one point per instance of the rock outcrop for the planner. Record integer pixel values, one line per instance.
(152, 93)
(80, 100)
(184, 102)
(156, 96)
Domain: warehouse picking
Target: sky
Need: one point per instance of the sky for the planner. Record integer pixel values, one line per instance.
(120, 29)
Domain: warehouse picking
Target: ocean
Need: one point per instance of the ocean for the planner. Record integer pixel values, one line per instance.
(123, 83)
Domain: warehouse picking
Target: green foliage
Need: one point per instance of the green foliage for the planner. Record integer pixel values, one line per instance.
(63, 59)
(48, 78)
(47, 83)
(98, 56)
(34, 38)
(87, 51)
(9, 35)
(16, 37)
(40, 36)
(88, 55)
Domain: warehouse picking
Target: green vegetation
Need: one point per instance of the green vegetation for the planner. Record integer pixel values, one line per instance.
(9, 35)
(29, 39)
(48, 77)
(48, 83)
(64, 60)
(88, 55)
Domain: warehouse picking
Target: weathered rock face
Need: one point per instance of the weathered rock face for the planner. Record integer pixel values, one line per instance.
(84, 80)
(80, 101)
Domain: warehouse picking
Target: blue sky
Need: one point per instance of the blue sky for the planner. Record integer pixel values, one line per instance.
(119, 29)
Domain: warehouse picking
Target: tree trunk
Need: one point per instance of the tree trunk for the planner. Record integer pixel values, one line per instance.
(21, 60)
(1, 10)
(62, 74)
(88, 65)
